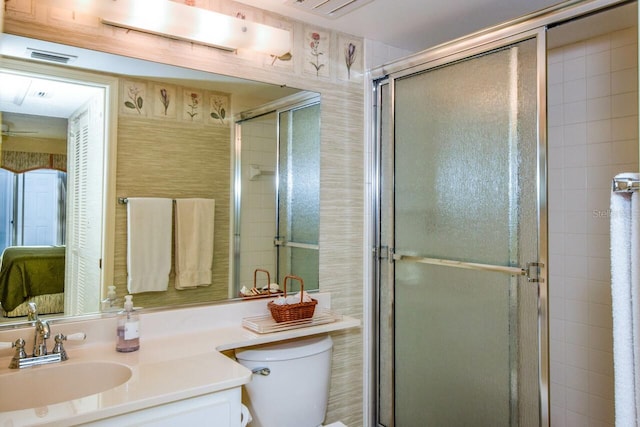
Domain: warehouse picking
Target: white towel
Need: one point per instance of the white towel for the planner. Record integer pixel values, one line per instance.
(148, 244)
(194, 242)
(625, 281)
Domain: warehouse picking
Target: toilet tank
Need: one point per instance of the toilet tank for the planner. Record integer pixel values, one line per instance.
(295, 391)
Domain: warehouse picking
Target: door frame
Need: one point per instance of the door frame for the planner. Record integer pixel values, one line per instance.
(110, 86)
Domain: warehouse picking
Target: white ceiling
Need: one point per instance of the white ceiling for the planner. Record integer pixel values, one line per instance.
(413, 25)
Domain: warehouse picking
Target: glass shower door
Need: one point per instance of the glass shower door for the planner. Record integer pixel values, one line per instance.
(299, 194)
(463, 348)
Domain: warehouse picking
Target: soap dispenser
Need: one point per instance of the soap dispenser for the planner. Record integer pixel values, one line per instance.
(128, 337)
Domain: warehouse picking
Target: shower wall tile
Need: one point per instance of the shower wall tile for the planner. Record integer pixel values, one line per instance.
(593, 137)
(576, 356)
(601, 362)
(576, 50)
(574, 135)
(624, 57)
(628, 36)
(624, 104)
(574, 68)
(598, 44)
(624, 81)
(258, 197)
(599, 108)
(555, 71)
(575, 90)
(575, 419)
(598, 86)
(598, 131)
(555, 95)
(599, 154)
(598, 63)
(574, 112)
(577, 379)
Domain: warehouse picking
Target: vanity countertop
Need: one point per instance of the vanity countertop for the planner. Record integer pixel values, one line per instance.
(171, 366)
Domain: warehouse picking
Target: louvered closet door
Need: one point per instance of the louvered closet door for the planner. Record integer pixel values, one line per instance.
(84, 208)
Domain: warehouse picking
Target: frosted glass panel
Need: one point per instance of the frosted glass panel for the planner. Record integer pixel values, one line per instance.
(456, 137)
(386, 282)
(465, 188)
(452, 369)
(302, 262)
(300, 174)
(299, 193)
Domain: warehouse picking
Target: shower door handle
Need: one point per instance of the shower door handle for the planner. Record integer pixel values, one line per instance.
(513, 271)
(281, 242)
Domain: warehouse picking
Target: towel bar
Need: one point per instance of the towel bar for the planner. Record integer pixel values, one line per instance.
(124, 200)
(625, 185)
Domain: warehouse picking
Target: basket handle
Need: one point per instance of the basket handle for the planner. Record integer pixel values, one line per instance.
(255, 275)
(299, 279)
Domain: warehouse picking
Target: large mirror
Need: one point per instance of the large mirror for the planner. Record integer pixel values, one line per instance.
(173, 133)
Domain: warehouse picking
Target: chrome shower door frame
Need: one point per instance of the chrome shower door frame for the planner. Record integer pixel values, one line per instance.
(531, 26)
(388, 255)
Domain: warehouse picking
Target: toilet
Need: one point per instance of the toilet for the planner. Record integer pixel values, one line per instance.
(290, 385)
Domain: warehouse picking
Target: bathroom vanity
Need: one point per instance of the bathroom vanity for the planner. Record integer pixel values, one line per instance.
(180, 374)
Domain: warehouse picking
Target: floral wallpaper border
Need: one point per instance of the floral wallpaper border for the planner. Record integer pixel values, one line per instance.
(169, 102)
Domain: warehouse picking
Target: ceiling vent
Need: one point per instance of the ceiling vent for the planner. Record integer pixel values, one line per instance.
(60, 58)
(328, 8)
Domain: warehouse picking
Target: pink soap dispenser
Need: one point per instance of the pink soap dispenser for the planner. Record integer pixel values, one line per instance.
(128, 338)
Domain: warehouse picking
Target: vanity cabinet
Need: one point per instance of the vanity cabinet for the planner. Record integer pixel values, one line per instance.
(219, 409)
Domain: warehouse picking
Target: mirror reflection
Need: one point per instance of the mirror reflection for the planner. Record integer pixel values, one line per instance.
(63, 171)
(279, 173)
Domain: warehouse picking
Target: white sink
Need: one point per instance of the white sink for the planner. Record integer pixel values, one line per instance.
(49, 384)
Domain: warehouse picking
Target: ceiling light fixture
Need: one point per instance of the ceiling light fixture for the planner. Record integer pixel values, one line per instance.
(182, 22)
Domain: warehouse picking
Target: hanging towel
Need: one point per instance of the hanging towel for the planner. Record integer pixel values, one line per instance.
(625, 281)
(194, 242)
(148, 244)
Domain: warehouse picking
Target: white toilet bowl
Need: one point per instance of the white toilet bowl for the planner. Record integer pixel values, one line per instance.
(290, 385)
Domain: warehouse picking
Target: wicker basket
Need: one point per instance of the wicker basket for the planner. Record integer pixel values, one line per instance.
(297, 311)
(259, 293)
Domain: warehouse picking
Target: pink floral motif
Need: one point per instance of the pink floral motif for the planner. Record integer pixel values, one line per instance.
(315, 46)
(193, 105)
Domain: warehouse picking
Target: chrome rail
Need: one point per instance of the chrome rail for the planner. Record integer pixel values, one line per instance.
(278, 242)
(625, 185)
(514, 271)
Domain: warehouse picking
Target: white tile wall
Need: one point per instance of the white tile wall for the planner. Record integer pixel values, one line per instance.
(258, 198)
(593, 134)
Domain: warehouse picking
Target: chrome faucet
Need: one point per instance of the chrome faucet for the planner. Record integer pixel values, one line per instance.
(42, 332)
(40, 355)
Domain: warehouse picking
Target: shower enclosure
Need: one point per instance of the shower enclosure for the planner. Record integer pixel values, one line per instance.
(277, 191)
(461, 235)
